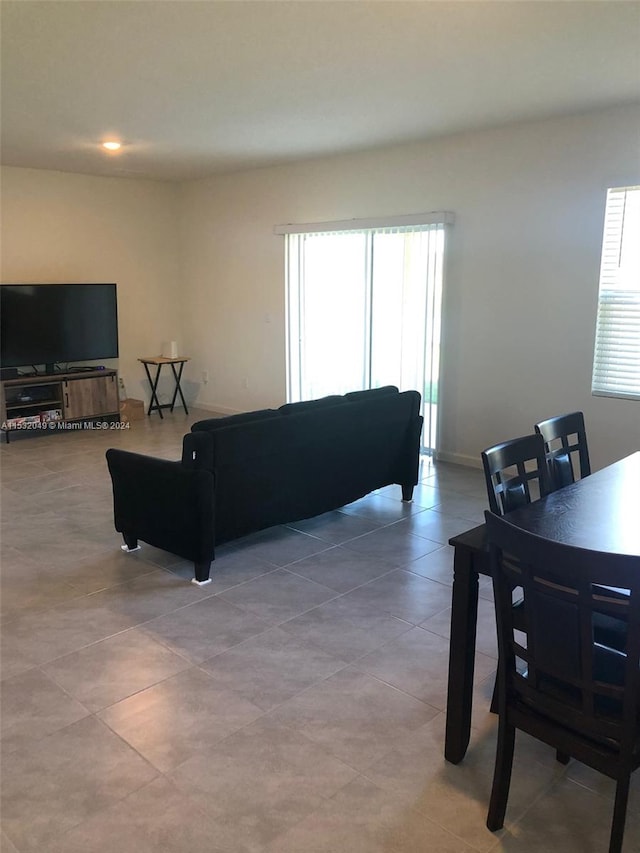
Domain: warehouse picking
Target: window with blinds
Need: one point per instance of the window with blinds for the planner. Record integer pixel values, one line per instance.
(616, 361)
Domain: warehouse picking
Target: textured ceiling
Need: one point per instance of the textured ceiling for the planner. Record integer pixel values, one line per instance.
(196, 88)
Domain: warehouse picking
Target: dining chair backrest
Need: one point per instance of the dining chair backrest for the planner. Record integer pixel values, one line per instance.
(516, 473)
(559, 684)
(565, 441)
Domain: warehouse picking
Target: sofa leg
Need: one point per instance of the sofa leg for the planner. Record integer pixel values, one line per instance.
(130, 543)
(202, 573)
(407, 493)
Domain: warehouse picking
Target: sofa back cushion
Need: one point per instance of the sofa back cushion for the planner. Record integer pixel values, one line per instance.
(211, 424)
(354, 396)
(310, 405)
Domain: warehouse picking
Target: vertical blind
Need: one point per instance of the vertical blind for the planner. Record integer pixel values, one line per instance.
(616, 361)
(364, 307)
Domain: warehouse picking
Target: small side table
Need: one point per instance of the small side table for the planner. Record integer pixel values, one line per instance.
(158, 361)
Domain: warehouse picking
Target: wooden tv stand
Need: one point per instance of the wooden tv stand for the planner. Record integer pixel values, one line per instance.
(47, 403)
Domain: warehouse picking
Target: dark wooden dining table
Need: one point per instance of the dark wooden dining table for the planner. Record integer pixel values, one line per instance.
(600, 512)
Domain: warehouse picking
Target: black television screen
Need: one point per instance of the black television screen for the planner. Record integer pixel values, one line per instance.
(57, 323)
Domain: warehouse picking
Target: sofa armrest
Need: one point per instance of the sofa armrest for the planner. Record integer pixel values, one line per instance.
(163, 503)
(197, 450)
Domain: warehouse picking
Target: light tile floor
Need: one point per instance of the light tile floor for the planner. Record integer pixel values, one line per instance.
(295, 705)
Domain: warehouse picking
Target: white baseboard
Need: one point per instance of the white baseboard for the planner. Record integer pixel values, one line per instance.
(459, 459)
(213, 407)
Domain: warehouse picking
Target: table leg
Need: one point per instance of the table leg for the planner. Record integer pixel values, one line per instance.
(154, 403)
(178, 390)
(462, 649)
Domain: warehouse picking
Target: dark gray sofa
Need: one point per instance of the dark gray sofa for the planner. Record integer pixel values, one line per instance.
(246, 472)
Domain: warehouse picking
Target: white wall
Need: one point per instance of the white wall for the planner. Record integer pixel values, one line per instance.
(59, 227)
(522, 279)
(200, 263)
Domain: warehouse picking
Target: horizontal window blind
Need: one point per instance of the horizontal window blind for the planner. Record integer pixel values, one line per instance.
(616, 362)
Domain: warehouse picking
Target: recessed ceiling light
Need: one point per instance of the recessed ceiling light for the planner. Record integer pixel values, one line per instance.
(111, 146)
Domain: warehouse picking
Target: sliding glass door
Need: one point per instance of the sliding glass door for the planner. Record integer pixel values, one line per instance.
(364, 310)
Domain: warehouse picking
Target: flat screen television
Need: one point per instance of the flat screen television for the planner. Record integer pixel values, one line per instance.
(54, 324)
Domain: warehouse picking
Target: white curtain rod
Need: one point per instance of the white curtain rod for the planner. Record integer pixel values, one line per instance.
(437, 217)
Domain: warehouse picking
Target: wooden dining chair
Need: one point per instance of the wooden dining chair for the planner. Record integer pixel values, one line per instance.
(565, 443)
(516, 472)
(559, 685)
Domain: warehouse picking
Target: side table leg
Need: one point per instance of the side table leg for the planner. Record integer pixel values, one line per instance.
(462, 649)
(154, 403)
(178, 390)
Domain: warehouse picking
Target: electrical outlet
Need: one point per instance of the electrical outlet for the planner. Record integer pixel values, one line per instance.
(205, 376)
(245, 383)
